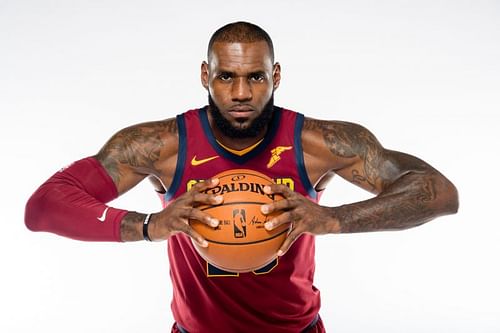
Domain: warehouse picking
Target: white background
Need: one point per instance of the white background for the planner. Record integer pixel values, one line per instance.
(422, 75)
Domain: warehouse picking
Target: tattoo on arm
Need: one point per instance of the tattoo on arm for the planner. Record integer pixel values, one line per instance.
(402, 207)
(137, 147)
(412, 200)
(410, 192)
(131, 227)
(352, 141)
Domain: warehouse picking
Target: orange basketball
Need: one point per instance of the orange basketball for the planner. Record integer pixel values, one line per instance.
(240, 243)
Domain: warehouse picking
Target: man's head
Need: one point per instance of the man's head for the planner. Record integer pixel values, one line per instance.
(240, 76)
(240, 32)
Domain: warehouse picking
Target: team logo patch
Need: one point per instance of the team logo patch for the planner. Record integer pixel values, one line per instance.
(275, 155)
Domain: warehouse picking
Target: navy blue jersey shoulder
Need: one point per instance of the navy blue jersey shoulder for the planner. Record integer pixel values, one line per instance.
(181, 157)
(299, 155)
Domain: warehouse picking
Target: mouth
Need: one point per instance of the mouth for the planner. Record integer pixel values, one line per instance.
(241, 111)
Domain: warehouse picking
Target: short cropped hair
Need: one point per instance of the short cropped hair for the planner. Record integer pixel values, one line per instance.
(241, 32)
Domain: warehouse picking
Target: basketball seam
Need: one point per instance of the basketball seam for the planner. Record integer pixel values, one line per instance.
(247, 243)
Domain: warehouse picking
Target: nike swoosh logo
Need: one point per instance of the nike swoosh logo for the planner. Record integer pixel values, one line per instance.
(103, 217)
(196, 162)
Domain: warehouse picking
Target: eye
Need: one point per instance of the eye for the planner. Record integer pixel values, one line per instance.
(224, 76)
(259, 77)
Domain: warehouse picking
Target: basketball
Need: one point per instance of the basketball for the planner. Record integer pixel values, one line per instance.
(240, 243)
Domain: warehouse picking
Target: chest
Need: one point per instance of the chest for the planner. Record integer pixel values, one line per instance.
(279, 155)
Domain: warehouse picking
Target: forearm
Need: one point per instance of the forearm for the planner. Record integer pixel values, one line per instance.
(412, 200)
(131, 227)
(72, 203)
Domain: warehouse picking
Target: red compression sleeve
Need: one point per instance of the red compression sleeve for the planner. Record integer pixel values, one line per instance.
(71, 203)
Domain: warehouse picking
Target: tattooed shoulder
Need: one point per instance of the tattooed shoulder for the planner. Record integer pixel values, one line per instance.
(137, 147)
(354, 144)
(344, 139)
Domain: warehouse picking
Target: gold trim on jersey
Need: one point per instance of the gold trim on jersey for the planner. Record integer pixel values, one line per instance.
(240, 152)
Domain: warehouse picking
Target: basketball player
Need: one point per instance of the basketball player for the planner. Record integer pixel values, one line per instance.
(240, 127)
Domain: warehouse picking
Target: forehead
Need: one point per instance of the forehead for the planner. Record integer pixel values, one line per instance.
(234, 56)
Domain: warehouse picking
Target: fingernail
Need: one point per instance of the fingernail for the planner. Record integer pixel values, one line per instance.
(219, 198)
(215, 181)
(204, 243)
(267, 189)
(280, 253)
(214, 222)
(264, 209)
(268, 225)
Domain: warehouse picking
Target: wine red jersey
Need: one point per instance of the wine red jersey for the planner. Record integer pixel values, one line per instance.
(278, 298)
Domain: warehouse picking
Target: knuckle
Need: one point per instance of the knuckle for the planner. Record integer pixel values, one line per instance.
(201, 186)
(283, 204)
(198, 197)
(285, 217)
(181, 226)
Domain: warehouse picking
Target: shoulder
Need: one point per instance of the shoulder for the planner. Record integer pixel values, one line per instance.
(149, 130)
(333, 126)
(344, 148)
(141, 146)
(343, 139)
(148, 135)
(332, 145)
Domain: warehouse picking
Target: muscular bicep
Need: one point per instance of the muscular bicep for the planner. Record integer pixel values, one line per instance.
(378, 173)
(354, 153)
(372, 167)
(134, 153)
(122, 174)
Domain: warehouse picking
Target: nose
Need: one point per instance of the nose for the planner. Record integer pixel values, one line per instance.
(241, 90)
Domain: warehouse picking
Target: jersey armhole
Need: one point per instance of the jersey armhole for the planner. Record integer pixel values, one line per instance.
(299, 155)
(181, 158)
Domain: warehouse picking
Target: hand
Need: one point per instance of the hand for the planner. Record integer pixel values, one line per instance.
(175, 217)
(304, 215)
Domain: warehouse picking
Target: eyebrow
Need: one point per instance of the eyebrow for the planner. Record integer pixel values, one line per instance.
(232, 73)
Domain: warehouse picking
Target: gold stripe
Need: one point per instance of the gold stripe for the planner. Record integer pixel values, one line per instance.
(240, 152)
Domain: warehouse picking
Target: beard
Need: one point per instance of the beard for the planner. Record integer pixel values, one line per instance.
(253, 130)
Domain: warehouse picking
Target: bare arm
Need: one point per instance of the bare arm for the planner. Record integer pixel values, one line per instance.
(72, 203)
(133, 154)
(150, 150)
(409, 192)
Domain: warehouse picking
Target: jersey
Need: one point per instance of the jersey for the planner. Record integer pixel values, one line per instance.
(279, 297)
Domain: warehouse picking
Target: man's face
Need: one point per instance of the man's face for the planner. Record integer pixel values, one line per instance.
(240, 79)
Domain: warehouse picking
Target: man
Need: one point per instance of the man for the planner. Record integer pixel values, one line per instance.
(241, 127)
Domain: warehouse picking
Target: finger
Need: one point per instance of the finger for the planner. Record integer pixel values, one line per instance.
(278, 220)
(197, 238)
(207, 199)
(291, 238)
(205, 185)
(280, 205)
(198, 215)
(278, 189)
(185, 228)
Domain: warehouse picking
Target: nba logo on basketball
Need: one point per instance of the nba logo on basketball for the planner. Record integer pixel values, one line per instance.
(239, 223)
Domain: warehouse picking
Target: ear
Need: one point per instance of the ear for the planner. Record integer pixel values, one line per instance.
(276, 75)
(204, 74)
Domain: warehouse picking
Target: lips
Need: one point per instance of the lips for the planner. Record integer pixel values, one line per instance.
(241, 108)
(241, 111)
